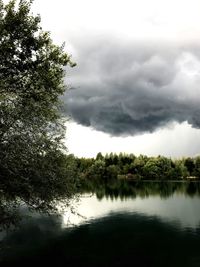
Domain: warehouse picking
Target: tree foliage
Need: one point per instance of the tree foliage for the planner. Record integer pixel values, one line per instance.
(32, 164)
(129, 167)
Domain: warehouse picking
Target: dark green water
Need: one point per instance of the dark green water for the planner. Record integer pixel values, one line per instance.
(138, 229)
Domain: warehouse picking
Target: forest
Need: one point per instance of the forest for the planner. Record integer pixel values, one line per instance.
(131, 167)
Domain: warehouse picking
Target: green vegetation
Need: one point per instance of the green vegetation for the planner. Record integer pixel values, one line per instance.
(126, 175)
(34, 168)
(113, 167)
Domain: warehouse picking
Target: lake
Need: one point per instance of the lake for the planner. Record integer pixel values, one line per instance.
(138, 224)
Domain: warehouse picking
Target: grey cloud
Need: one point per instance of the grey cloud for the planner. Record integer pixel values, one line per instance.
(127, 89)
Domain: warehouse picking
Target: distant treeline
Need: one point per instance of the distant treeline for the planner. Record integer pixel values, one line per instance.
(130, 167)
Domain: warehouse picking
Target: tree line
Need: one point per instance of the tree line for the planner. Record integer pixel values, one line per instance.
(130, 167)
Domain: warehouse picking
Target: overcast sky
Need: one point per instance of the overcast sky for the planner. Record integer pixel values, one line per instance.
(136, 85)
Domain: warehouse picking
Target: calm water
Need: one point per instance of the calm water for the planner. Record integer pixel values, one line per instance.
(144, 227)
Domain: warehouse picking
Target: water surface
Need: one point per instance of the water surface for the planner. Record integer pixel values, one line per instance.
(140, 229)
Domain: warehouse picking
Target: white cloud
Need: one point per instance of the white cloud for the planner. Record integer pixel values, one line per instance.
(127, 20)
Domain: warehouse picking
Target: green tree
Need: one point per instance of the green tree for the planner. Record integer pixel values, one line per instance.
(99, 156)
(138, 165)
(98, 170)
(190, 165)
(112, 171)
(158, 168)
(180, 170)
(32, 167)
(197, 167)
(151, 169)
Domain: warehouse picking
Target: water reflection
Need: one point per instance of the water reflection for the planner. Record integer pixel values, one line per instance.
(115, 240)
(147, 228)
(124, 189)
(184, 211)
(175, 202)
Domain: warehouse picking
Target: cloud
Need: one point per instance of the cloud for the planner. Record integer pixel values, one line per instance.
(124, 88)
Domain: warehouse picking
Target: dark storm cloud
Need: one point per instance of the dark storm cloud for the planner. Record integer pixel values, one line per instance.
(129, 89)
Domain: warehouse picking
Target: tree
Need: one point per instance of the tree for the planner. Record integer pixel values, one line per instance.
(99, 156)
(32, 167)
(151, 169)
(197, 167)
(112, 171)
(190, 165)
(98, 170)
(180, 170)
